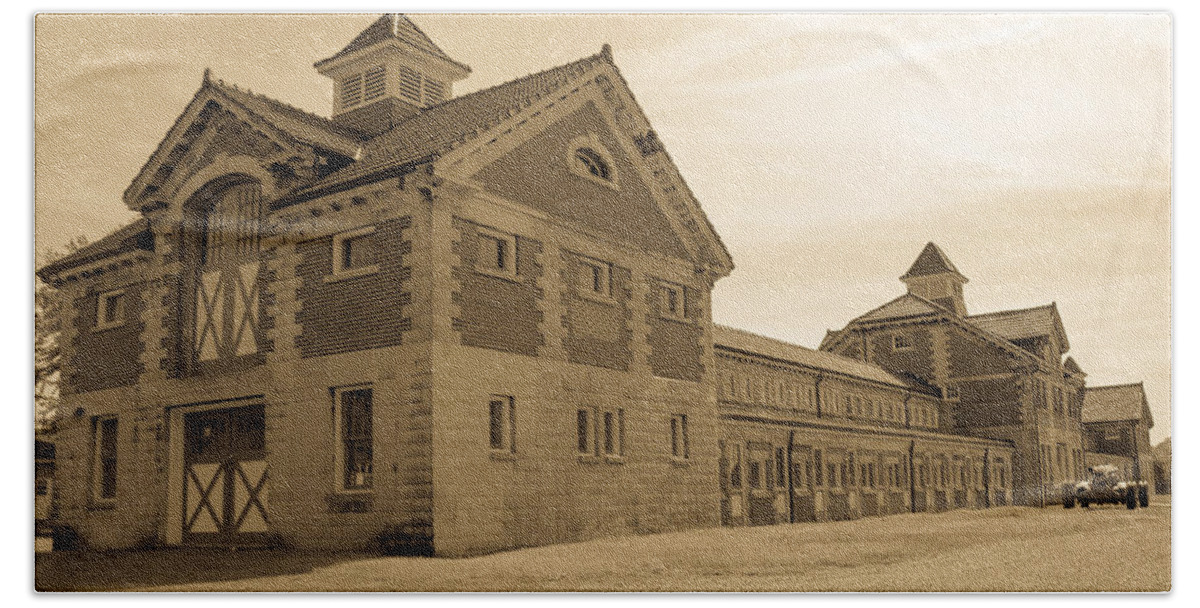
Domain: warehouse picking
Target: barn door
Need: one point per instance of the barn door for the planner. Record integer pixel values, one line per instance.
(225, 477)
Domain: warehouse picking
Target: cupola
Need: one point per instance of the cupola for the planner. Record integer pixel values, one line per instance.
(933, 277)
(387, 74)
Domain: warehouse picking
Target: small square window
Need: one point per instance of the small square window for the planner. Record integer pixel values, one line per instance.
(672, 304)
(354, 253)
(497, 254)
(502, 424)
(595, 278)
(110, 309)
(901, 342)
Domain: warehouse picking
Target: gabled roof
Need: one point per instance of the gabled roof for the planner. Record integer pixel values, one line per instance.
(305, 126)
(1071, 366)
(932, 260)
(132, 236)
(907, 305)
(1117, 402)
(736, 339)
(1024, 323)
(392, 27)
(287, 122)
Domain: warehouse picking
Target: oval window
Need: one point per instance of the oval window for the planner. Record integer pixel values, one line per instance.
(593, 163)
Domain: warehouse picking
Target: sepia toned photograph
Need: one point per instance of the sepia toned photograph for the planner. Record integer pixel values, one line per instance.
(772, 302)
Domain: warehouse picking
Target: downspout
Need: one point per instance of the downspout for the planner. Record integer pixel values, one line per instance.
(791, 482)
(907, 418)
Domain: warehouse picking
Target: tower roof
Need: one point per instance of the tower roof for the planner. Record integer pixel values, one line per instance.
(931, 261)
(395, 27)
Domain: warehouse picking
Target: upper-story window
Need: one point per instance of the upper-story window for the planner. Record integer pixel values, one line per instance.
(595, 278)
(901, 342)
(354, 252)
(227, 265)
(589, 159)
(671, 301)
(497, 253)
(110, 309)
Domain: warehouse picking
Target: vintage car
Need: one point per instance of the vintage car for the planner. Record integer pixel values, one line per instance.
(1106, 487)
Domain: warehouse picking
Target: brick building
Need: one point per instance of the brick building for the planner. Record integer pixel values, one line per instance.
(469, 323)
(1002, 375)
(1116, 427)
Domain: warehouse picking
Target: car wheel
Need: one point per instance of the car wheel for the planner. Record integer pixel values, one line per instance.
(1131, 499)
(1083, 502)
(1144, 496)
(1068, 501)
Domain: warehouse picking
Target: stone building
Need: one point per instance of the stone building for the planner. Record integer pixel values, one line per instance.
(1002, 375)
(809, 435)
(466, 323)
(457, 323)
(1116, 426)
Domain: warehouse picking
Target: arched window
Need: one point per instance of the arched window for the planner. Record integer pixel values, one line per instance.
(593, 163)
(223, 230)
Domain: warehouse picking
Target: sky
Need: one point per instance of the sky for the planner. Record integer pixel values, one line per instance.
(826, 149)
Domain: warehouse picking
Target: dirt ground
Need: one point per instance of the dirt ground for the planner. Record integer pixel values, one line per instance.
(1005, 549)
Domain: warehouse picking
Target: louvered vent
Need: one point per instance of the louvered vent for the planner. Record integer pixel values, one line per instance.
(374, 83)
(352, 91)
(410, 85)
(435, 92)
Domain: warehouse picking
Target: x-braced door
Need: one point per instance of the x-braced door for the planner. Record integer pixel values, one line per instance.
(225, 476)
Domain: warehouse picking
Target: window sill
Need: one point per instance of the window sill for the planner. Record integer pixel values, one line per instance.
(107, 326)
(496, 274)
(587, 459)
(351, 501)
(102, 505)
(680, 320)
(681, 462)
(599, 298)
(614, 459)
(503, 455)
(353, 273)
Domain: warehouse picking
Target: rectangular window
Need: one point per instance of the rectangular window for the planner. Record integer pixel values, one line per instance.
(110, 309)
(104, 458)
(502, 424)
(831, 470)
(901, 342)
(672, 304)
(780, 468)
(680, 447)
(754, 475)
(596, 278)
(614, 433)
(354, 407)
(498, 254)
(354, 252)
(583, 431)
(735, 471)
(818, 470)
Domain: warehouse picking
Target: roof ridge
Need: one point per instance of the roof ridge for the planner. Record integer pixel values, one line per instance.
(505, 83)
(1108, 386)
(221, 84)
(1011, 311)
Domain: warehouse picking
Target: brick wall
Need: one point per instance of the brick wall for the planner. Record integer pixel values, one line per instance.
(109, 357)
(597, 330)
(495, 312)
(358, 313)
(676, 350)
(917, 360)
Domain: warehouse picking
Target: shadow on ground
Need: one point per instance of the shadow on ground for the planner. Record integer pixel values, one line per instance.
(129, 570)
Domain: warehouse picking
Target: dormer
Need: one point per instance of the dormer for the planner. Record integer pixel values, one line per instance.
(933, 277)
(387, 74)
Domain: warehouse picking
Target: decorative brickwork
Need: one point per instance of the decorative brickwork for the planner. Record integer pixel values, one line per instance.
(359, 312)
(597, 329)
(676, 347)
(105, 358)
(497, 312)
